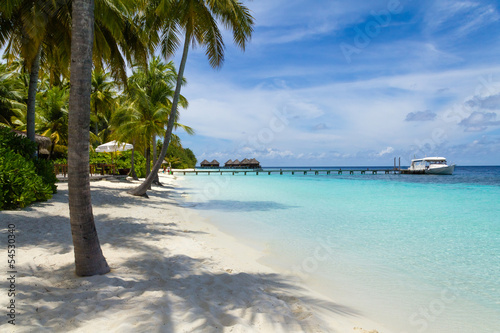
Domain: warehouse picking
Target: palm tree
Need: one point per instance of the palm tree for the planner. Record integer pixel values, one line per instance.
(40, 29)
(198, 20)
(52, 120)
(89, 259)
(11, 96)
(102, 99)
(144, 116)
(26, 26)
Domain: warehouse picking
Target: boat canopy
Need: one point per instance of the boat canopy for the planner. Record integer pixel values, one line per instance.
(430, 159)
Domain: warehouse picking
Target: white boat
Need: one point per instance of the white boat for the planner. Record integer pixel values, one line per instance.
(431, 165)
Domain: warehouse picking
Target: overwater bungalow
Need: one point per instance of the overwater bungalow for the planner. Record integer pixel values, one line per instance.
(230, 164)
(207, 164)
(254, 164)
(245, 163)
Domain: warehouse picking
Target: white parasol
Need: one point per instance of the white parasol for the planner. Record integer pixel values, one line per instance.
(113, 146)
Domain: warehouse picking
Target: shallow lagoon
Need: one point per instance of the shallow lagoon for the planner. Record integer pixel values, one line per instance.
(417, 253)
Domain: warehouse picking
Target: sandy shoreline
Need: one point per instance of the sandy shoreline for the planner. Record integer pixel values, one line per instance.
(172, 271)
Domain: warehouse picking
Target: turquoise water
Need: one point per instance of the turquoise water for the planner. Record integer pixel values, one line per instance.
(417, 253)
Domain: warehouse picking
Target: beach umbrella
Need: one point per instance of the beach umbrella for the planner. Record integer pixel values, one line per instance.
(113, 146)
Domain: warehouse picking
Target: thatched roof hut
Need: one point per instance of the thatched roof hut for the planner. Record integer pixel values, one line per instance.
(244, 163)
(254, 163)
(228, 164)
(42, 141)
(236, 163)
(207, 164)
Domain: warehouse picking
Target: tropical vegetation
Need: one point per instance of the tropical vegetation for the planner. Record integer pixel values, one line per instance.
(136, 113)
(23, 179)
(89, 43)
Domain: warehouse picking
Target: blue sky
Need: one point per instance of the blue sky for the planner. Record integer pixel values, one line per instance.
(329, 82)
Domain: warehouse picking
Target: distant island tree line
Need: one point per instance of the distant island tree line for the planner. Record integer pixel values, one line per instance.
(236, 164)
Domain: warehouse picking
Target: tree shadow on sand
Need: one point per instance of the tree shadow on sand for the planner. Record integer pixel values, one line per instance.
(152, 289)
(172, 290)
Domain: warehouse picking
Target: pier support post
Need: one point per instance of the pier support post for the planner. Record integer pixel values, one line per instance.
(351, 172)
(256, 173)
(293, 172)
(305, 172)
(362, 172)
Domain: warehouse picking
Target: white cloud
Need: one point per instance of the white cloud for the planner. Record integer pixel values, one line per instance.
(461, 17)
(339, 112)
(386, 151)
(479, 121)
(361, 115)
(426, 115)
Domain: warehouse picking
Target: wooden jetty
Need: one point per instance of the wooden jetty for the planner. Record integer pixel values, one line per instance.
(289, 171)
(413, 172)
(229, 169)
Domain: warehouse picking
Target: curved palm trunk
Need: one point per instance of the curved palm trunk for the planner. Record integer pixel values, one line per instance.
(89, 259)
(96, 124)
(148, 161)
(156, 181)
(30, 113)
(146, 184)
(132, 165)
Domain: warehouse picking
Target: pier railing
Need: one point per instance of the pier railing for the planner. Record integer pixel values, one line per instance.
(287, 171)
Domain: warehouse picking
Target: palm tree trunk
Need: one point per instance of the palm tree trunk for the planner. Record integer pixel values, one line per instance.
(132, 165)
(146, 184)
(96, 125)
(156, 181)
(154, 149)
(89, 259)
(30, 113)
(52, 149)
(147, 153)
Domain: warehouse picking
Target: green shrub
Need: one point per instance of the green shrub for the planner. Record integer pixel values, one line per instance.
(23, 179)
(17, 143)
(45, 169)
(122, 160)
(19, 183)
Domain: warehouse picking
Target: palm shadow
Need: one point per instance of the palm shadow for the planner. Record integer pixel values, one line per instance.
(180, 293)
(172, 288)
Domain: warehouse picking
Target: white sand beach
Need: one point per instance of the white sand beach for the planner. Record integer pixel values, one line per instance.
(171, 271)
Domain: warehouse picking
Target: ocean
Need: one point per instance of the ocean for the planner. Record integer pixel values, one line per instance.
(417, 253)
